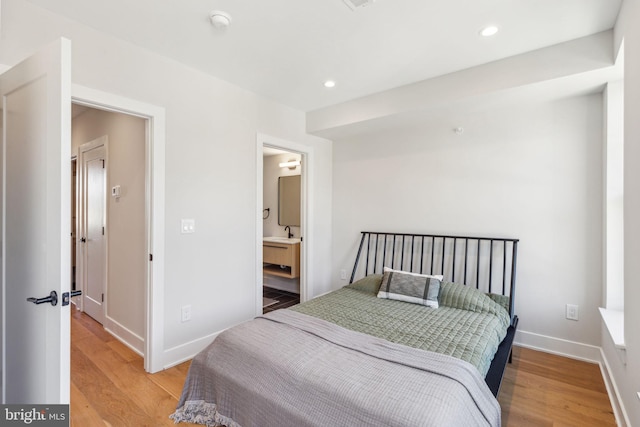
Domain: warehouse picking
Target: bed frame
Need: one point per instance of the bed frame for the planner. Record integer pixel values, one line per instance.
(487, 263)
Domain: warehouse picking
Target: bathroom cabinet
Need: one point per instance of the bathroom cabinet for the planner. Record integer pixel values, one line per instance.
(281, 259)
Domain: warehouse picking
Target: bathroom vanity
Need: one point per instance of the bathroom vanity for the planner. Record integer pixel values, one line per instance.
(281, 256)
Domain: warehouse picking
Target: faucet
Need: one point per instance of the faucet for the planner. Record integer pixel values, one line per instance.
(290, 234)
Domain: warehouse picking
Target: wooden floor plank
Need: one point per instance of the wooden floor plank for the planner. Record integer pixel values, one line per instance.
(124, 351)
(172, 380)
(91, 326)
(83, 412)
(105, 397)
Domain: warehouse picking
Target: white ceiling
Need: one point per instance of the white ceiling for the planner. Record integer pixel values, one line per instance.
(285, 49)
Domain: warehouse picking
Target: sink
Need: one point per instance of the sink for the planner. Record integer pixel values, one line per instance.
(277, 239)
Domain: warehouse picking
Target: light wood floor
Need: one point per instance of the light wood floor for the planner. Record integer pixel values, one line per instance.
(109, 386)
(541, 389)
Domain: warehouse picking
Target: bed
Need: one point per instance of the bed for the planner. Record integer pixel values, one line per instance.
(374, 352)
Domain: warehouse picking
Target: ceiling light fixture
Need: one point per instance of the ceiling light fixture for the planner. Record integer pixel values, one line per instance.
(489, 31)
(329, 84)
(355, 4)
(219, 19)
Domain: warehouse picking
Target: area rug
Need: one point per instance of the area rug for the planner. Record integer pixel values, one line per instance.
(266, 302)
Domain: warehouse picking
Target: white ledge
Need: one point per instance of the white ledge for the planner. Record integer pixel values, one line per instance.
(614, 320)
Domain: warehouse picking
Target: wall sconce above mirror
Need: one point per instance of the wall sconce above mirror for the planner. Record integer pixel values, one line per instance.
(291, 164)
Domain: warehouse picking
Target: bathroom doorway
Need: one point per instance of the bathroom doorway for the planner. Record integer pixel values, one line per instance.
(306, 156)
(281, 228)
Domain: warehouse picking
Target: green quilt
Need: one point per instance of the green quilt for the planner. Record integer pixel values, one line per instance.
(468, 324)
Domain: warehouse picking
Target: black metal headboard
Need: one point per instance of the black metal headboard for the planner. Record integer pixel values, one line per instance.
(487, 263)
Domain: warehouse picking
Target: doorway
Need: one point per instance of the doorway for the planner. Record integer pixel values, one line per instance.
(278, 151)
(282, 225)
(110, 243)
(149, 343)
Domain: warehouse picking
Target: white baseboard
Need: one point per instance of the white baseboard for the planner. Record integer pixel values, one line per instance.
(622, 419)
(130, 339)
(561, 347)
(181, 353)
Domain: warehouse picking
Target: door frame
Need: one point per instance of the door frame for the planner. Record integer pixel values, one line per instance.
(306, 216)
(154, 209)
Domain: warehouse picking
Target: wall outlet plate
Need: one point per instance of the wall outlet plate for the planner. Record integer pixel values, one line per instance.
(572, 312)
(186, 313)
(187, 226)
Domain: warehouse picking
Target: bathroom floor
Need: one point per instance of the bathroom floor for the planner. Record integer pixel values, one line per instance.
(285, 299)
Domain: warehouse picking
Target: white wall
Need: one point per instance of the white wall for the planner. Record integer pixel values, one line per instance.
(627, 377)
(211, 129)
(531, 172)
(613, 153)
(126, 228)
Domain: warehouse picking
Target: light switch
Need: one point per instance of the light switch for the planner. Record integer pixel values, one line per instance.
(188, 226)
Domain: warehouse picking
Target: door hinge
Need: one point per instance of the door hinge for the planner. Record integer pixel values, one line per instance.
(150, 257)
(102, 163)
(102, 298)
(103, 231)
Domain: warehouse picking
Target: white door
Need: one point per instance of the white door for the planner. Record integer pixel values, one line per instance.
(36, 148)
(92, 217)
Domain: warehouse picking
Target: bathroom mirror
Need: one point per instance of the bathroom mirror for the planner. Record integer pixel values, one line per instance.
(289, 200)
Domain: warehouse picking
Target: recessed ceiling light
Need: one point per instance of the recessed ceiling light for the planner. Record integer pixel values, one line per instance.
(489, 31)
(354, 4)
(329, 84)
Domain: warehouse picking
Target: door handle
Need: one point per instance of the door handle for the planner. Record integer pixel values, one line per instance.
(52, 298)
(83, 240)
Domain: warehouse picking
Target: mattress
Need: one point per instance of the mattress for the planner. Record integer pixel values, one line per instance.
(468, 324)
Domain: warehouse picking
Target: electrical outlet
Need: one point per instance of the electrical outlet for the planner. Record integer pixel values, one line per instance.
(343, 274)
(572, 312)
(186, 313)
(188, 226)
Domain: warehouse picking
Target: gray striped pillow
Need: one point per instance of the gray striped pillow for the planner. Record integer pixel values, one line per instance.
(410, 287)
